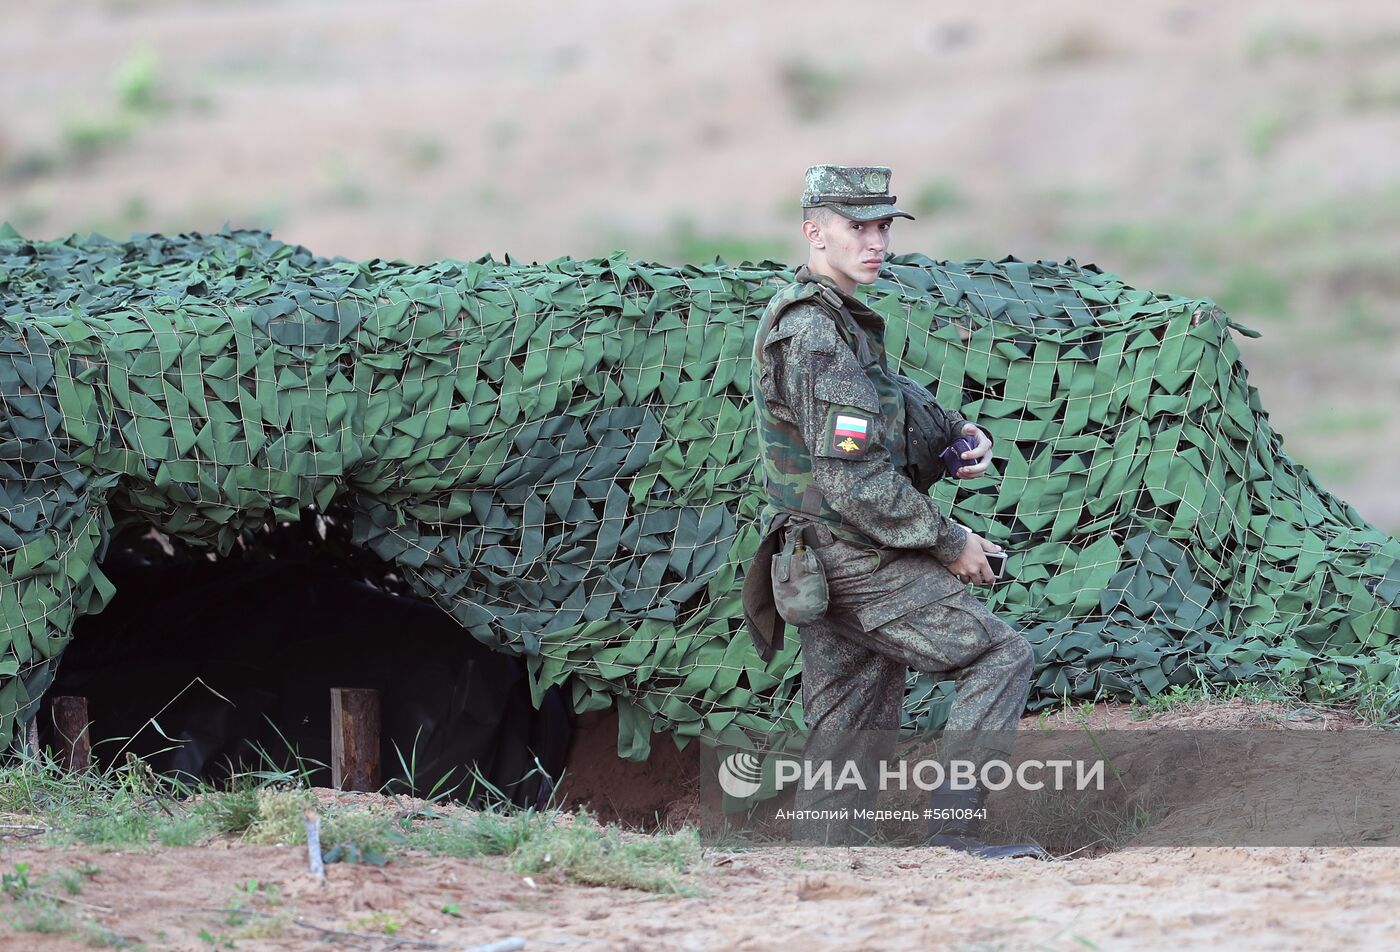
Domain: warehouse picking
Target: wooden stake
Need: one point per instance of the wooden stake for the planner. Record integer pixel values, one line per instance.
(355, 739)
(70, 721)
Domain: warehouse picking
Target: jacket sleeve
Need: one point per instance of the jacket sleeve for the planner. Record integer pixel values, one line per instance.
(956, 422)
(838, 411)
(952, 422)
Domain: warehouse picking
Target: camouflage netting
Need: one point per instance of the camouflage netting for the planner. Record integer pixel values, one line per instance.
(561, 456)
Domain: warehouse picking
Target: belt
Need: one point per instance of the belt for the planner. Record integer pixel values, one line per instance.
(809, 510)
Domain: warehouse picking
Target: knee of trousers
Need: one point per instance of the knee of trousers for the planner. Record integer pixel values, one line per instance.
(1023, 654)
(1013, 651)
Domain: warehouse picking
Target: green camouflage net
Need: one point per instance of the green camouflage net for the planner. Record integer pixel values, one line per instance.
(562, 456)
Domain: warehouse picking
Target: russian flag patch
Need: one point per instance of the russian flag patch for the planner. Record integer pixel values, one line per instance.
(850, 435)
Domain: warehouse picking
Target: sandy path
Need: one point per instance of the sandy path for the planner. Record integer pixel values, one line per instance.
(839, 898)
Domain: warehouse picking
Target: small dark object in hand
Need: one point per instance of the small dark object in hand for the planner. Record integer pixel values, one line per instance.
(952, 456)
(997, 560)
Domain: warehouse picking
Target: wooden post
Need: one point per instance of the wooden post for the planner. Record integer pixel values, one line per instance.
(70, 721)
(355, 739)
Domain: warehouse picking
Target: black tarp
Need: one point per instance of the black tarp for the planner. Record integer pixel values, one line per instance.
(237, 660)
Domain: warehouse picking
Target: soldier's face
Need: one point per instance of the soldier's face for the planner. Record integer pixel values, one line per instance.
(856, 249)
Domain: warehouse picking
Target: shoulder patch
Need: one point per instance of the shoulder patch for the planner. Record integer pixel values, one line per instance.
(847, 433)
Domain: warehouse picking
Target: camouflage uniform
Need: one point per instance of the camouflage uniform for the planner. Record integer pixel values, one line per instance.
(831, 433)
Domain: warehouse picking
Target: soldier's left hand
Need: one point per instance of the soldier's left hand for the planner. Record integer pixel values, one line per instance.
(980, 456)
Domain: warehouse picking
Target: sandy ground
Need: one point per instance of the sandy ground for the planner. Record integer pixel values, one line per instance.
(759, 898)
(836, 898)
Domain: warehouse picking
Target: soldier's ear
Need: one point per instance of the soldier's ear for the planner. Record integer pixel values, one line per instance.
(812, 229)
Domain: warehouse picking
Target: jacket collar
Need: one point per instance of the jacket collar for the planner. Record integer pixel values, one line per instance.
(858, 308)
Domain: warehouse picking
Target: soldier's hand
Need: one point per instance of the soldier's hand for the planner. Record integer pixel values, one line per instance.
(980, 456)
(971, 566)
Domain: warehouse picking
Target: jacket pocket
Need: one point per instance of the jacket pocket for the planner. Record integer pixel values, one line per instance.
(845, 560)
(925, 590)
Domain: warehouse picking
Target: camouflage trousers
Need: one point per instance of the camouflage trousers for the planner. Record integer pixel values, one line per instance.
(889, 613)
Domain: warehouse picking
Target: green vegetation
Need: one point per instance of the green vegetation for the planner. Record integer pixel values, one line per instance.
(34, 903)
(504, 134)
(1381, 94)
(86, 136)
(685, 242)
(137, 80)
(1303, 244)
(425, 152)
(255, 911)
(1378, 704)
(1188, 697)
(130, 809)
(378, 921)
(1375, 704)
(1064, 823)
(571, 846)
(1251, 289)
(1265, 130)
(1273, 39)
(344, 188)
(1314, 276)
(937, 197)
(136, 89)
(812, 92)
(1325, 245)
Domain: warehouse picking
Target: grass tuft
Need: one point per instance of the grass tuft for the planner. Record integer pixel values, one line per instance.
(1063, 822)
(1180, 698)
(229, 811)
(281, 816)
(571, 846)
(130, 807)
(605, 856)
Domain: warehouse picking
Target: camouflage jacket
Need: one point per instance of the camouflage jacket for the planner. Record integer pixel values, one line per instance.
(831, 423)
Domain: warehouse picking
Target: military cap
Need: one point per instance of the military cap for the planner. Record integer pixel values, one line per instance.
(859, 192)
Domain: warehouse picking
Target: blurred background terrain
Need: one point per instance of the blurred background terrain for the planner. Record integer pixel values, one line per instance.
(1248, 152)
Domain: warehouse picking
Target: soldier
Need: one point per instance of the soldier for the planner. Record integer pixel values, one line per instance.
(831, 422)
